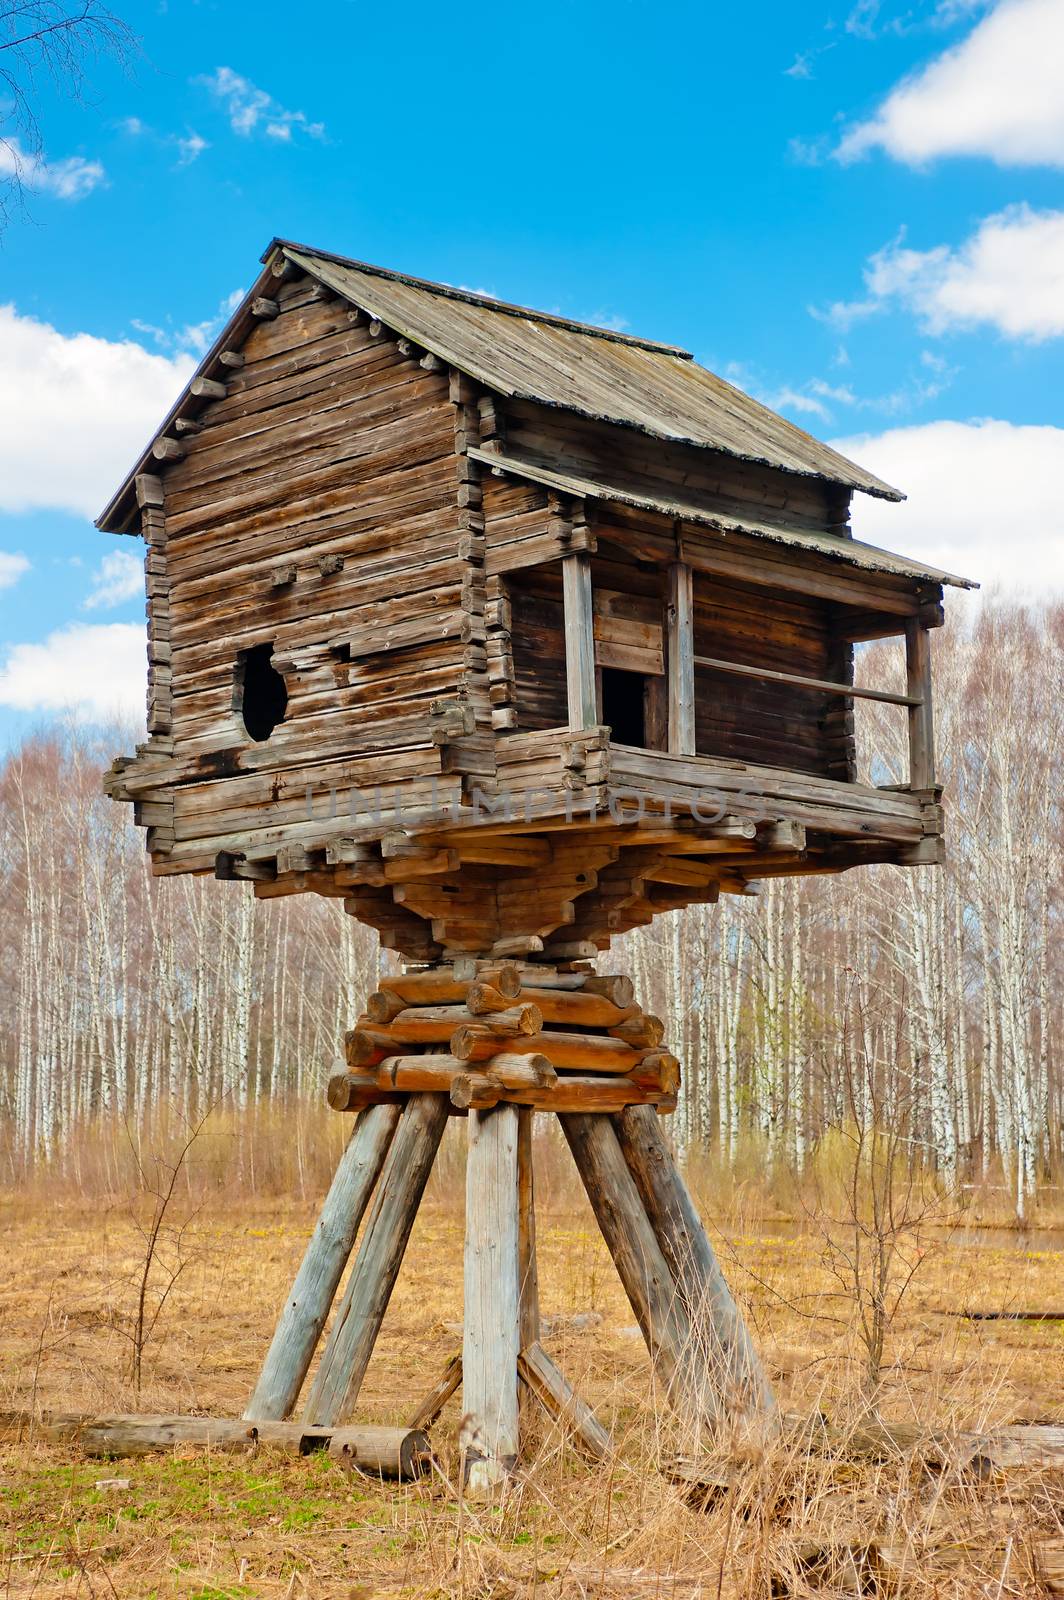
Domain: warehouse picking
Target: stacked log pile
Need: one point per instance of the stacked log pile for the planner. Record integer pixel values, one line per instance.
(483, 1033)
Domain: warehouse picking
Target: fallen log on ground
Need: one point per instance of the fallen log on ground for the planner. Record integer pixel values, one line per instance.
(378, 1451)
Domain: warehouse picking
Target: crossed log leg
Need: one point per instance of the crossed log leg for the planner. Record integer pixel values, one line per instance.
(692, 1326)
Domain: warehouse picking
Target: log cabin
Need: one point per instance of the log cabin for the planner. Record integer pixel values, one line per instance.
(511, 633)
(508, 631)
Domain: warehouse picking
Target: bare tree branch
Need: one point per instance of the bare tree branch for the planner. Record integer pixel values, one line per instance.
(57, 40)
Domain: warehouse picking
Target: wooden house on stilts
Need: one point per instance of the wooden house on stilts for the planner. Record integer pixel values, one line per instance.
(510, 633)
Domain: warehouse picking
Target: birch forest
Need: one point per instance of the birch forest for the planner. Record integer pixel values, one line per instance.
(927, 997)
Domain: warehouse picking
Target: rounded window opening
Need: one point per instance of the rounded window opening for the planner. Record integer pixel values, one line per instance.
(263, 696)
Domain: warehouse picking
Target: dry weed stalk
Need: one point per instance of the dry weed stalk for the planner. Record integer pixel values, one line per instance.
(159, 1179)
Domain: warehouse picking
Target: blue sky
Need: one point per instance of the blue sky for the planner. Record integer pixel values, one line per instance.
(856, 214)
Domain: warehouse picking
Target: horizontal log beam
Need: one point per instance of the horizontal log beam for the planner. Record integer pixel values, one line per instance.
(793, 680)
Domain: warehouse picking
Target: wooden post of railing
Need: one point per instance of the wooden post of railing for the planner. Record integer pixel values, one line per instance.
(921, 721)
(681, 646)
(579, 641)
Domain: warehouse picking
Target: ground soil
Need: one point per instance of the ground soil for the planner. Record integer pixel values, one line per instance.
(217, 1526)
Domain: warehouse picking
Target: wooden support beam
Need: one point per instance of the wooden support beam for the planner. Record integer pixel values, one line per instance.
(445, 1386)
(921, 720)
(398, 1195)
(794, 681)
(149, 491)
(681, 638)
(716, 1321)
(560, 1400)
(492, 1300)
(579, 641)
(527, 1268)
(168, 449)
(442, 986)
(642, 1268)
(311, 1295)
(208, 388)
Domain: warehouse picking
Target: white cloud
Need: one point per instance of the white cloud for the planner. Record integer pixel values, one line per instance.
(12, 567)
(75, 411)
(250, 109)
(866, 22)
(119, 577)
(800, 400)
(72, 178)
(997, 94)
(1008, 275)
(815, 397)
(97, 671)
(983, 500)
(189, 148)
(194, 336)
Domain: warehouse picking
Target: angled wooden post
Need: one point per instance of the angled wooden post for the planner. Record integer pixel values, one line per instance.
(492, 1300)
(716, 1320)
(641, 1265)
(307, 1306)
(398, 1195)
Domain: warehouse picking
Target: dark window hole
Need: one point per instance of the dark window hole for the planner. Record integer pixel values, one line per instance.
(263, 695)
(622, 706)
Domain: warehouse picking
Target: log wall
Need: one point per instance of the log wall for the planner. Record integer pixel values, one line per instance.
(315, 511)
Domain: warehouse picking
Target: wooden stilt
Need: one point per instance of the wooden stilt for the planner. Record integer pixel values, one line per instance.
(492, 1300)
(643, 1269)
(694, 1331)
(354, 1333)
(558, 1397)
(307, 1307)
(445, 1386)
(527, 1270)
(715, 1319)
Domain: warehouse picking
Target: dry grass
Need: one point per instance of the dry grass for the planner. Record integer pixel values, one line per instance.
(218, 1526)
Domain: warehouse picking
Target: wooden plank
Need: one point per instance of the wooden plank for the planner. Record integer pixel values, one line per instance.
(921, 718)
(680, 614)
(311, 1295)
(579, 641)
(354, 1333)
(492, 1301)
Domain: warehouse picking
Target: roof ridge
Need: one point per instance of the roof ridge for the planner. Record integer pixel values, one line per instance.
(471, 297)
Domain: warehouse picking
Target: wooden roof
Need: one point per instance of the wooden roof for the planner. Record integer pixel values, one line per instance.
(594, 372)
(550, 360)
(687, 505)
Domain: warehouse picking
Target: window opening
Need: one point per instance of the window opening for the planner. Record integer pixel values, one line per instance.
(623, 706)
(263, 695)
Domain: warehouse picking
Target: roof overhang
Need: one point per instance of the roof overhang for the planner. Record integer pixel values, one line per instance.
(868, 557)
(380, 293)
